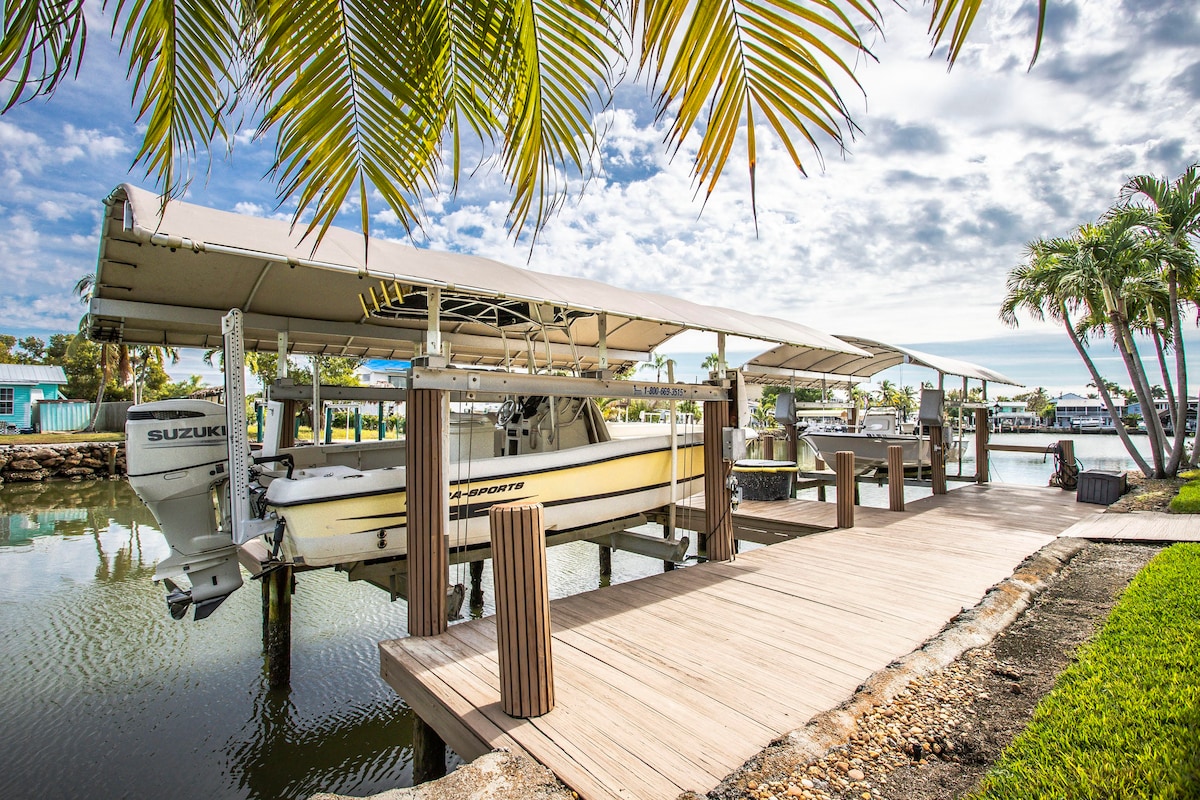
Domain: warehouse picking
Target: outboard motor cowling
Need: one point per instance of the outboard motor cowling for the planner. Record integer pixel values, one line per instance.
(177, 457)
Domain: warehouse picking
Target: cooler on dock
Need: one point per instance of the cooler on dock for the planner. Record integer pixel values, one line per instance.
(1100, 486)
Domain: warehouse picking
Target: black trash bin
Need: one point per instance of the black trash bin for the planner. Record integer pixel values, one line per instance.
(1100, 486)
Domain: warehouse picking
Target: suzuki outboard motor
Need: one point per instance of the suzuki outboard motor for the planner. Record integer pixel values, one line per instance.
(177, 457)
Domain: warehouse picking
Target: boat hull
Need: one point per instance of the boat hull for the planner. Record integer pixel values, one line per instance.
(346, 515)
(870, 450)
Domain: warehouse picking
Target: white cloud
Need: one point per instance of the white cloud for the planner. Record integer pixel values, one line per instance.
(93, 143)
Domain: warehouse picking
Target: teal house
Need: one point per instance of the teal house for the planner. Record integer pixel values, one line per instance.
(23, 385)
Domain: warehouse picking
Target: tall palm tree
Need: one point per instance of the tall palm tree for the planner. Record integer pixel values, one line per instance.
(1116, 270)
(1176, 207)
(1041, 288)
(363, 96)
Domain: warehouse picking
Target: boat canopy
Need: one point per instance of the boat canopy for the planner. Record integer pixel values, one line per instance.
(166, 275)
(813, 367)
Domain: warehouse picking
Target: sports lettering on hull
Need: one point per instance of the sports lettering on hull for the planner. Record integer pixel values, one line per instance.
(482, 490)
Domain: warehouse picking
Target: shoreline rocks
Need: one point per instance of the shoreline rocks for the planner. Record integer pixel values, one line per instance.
(75, 462)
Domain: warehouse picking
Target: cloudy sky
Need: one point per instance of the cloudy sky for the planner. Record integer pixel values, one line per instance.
(906, 238)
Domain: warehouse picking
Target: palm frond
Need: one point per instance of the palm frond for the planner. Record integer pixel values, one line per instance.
(560, 74)
(718, 65)
(180, 56)
(955, 17)
(356, 100)
(42, 39)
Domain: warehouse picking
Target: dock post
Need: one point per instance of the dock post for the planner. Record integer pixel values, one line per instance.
(718, 520)
(382, 432)
(982, 431)
(428, 560)
(287, 430)
(277, 626)
(522, 608)
(844, 469)
(769, 447)
(429, 753)
(357, 424)
(1067, 475)
(428, 510)
(605, 562)
(476, 585)
(937, 457)
(895, 460)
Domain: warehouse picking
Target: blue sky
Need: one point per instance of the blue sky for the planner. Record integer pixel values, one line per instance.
(906, 238)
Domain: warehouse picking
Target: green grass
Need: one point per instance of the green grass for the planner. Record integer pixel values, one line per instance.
(1123, 721)
(1188, 499)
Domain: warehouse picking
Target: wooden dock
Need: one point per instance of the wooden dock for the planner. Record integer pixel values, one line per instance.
(671, 682)
(1137, 526)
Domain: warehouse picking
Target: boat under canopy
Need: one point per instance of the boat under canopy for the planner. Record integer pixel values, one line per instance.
(186, 276)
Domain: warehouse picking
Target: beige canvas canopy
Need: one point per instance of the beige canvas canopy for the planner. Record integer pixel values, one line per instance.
(806, 366)
(166, 275)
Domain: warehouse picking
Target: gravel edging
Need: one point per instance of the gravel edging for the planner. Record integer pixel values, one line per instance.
(971, 629)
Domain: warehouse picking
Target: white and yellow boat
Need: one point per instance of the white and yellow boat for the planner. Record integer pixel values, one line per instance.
(337, 514)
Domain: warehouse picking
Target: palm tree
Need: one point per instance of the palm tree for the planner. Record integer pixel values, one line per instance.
(109, 352)
(1042, 287)
(1176, 207)
(364, 97)
(143, 357)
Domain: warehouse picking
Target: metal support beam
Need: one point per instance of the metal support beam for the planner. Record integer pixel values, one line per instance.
(493, 382)
(236, 427)
(307, 334)
(673, 550)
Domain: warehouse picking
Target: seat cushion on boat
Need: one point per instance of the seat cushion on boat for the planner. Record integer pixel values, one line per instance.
(327, 471)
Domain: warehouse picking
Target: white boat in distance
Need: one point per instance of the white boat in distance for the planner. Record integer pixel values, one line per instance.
(871, 442)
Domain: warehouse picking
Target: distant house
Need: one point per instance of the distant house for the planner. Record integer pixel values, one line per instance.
(1011, 415)
(23, 385)
(1073, 411)
(383, 372)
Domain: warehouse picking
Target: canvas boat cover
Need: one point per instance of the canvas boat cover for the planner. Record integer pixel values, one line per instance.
(166, 276)
(814, 366)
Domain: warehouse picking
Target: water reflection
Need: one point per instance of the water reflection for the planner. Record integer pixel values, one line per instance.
(103, 695)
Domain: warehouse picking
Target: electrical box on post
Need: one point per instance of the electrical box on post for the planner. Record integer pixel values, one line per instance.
(733, 444)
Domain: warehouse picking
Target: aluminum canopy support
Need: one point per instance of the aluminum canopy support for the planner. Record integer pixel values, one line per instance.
(501, 383)
(235, 427)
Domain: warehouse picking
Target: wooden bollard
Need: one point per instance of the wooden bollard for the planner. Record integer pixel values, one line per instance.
(718, 521)
(1068, 476)
(982, 431)
(937, 457)
(844, 469)
(522, 608)
(428, 510)
(895, 462)
(768, 447)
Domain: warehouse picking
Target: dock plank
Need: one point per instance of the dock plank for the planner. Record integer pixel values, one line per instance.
(671, 682)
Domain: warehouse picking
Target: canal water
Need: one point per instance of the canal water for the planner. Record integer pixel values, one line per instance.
(103, 695)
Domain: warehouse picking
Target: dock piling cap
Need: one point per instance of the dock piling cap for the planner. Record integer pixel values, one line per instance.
(763, 465)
